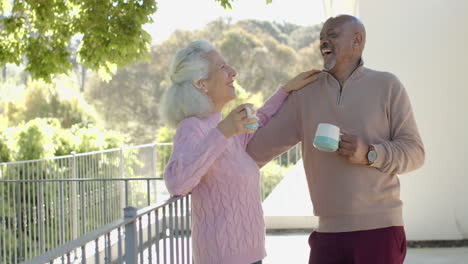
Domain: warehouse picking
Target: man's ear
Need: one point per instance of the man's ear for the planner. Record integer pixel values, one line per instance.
(357, 40)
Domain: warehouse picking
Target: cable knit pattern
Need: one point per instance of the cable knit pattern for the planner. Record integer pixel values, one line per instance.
(227, 217)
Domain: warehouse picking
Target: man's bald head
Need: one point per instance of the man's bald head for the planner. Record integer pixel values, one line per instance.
(351, 23)
(342, 41)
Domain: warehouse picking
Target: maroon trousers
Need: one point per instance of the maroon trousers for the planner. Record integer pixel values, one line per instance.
(377, 246)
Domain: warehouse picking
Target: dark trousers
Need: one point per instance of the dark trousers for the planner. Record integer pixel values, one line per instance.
(382, 246)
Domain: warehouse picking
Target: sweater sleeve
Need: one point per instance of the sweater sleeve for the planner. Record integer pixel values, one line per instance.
(404, 151)
(193, 154)
(264, 114)
(278, 135)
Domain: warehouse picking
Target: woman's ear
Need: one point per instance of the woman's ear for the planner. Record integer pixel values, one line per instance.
(200, 86)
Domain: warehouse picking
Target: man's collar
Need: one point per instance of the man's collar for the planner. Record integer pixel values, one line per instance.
(358, 69)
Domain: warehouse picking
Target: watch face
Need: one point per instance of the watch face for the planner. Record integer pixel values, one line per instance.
(372, 155)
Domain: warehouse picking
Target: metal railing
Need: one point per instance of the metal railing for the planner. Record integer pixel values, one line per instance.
(50, 202)
(33, 227)
(39, 198)
(155, 234)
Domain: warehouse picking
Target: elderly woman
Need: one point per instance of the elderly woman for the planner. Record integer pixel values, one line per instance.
(209, 157)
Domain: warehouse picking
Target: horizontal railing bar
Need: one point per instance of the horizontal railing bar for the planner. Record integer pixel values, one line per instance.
(85, 180)
(148, 145)
(151, 208)
(87, 153)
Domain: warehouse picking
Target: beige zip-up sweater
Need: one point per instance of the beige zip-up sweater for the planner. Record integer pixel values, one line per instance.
(374, 106)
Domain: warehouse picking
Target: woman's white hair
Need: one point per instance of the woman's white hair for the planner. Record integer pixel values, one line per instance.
(182, 99)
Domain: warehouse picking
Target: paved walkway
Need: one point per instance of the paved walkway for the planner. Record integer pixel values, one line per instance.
(293, 249)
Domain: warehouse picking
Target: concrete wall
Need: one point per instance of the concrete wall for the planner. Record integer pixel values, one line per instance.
(288, 206)
(425, 43)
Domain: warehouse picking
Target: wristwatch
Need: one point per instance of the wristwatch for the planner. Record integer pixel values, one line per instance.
(371, 155)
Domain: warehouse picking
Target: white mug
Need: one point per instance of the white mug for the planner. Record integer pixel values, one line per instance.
(327, 137)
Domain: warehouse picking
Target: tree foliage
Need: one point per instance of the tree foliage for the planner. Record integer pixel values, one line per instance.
(45, 137)
(45, 120)
(264, 54)
(243, 96)
(42, 100)
(227, 3)
(41, 31)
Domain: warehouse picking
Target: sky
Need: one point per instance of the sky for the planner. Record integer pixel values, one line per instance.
(195, 14)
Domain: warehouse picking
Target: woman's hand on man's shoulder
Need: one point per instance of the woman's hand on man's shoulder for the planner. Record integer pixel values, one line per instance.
(301, 80)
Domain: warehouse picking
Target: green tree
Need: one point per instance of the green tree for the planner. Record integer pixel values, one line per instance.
(35, 141)
(227, 3)
(129, 102)
(93, 138)
(5, 152)
(259, 51)
(309, 58)
(261, 61)
(280, 32)
(302, 37)
(42, 100)
(111, 34)
(44, 138)
(271, 175)
(242, 97)
(165, 135)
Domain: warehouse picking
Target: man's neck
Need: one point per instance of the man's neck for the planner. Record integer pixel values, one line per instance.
(345, 72)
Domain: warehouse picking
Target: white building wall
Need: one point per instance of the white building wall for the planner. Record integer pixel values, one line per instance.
(425, 43)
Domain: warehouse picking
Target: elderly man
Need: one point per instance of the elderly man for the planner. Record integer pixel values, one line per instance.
(355, 191)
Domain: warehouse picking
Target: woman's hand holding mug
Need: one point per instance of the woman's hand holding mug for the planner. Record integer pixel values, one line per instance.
(238, 121)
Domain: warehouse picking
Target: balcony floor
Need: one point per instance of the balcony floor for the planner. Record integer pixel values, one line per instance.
(293, 248)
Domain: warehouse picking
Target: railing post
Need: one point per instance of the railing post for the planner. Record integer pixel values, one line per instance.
(41, 218)
(74, 202)
(154, 156)
(123, 194)
(131, 235)
(154, 168)
(62, 217)
(20, 223)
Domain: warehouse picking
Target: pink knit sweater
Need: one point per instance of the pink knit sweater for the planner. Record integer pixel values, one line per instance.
(227, 216)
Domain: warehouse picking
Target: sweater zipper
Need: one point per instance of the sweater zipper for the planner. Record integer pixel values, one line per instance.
(340, 95)
(338, 102)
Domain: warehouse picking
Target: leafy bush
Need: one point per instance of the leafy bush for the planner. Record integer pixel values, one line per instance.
(44, 137)
(165, 135)
(243, 97)
(5, 152)
(65, 142)
(35, 140)
(271, 175)
(43, 100)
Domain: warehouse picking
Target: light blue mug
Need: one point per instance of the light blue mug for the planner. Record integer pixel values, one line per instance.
(251, 126)
(327, 137)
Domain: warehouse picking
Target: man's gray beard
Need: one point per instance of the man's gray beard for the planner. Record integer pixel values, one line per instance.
(328, 66)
